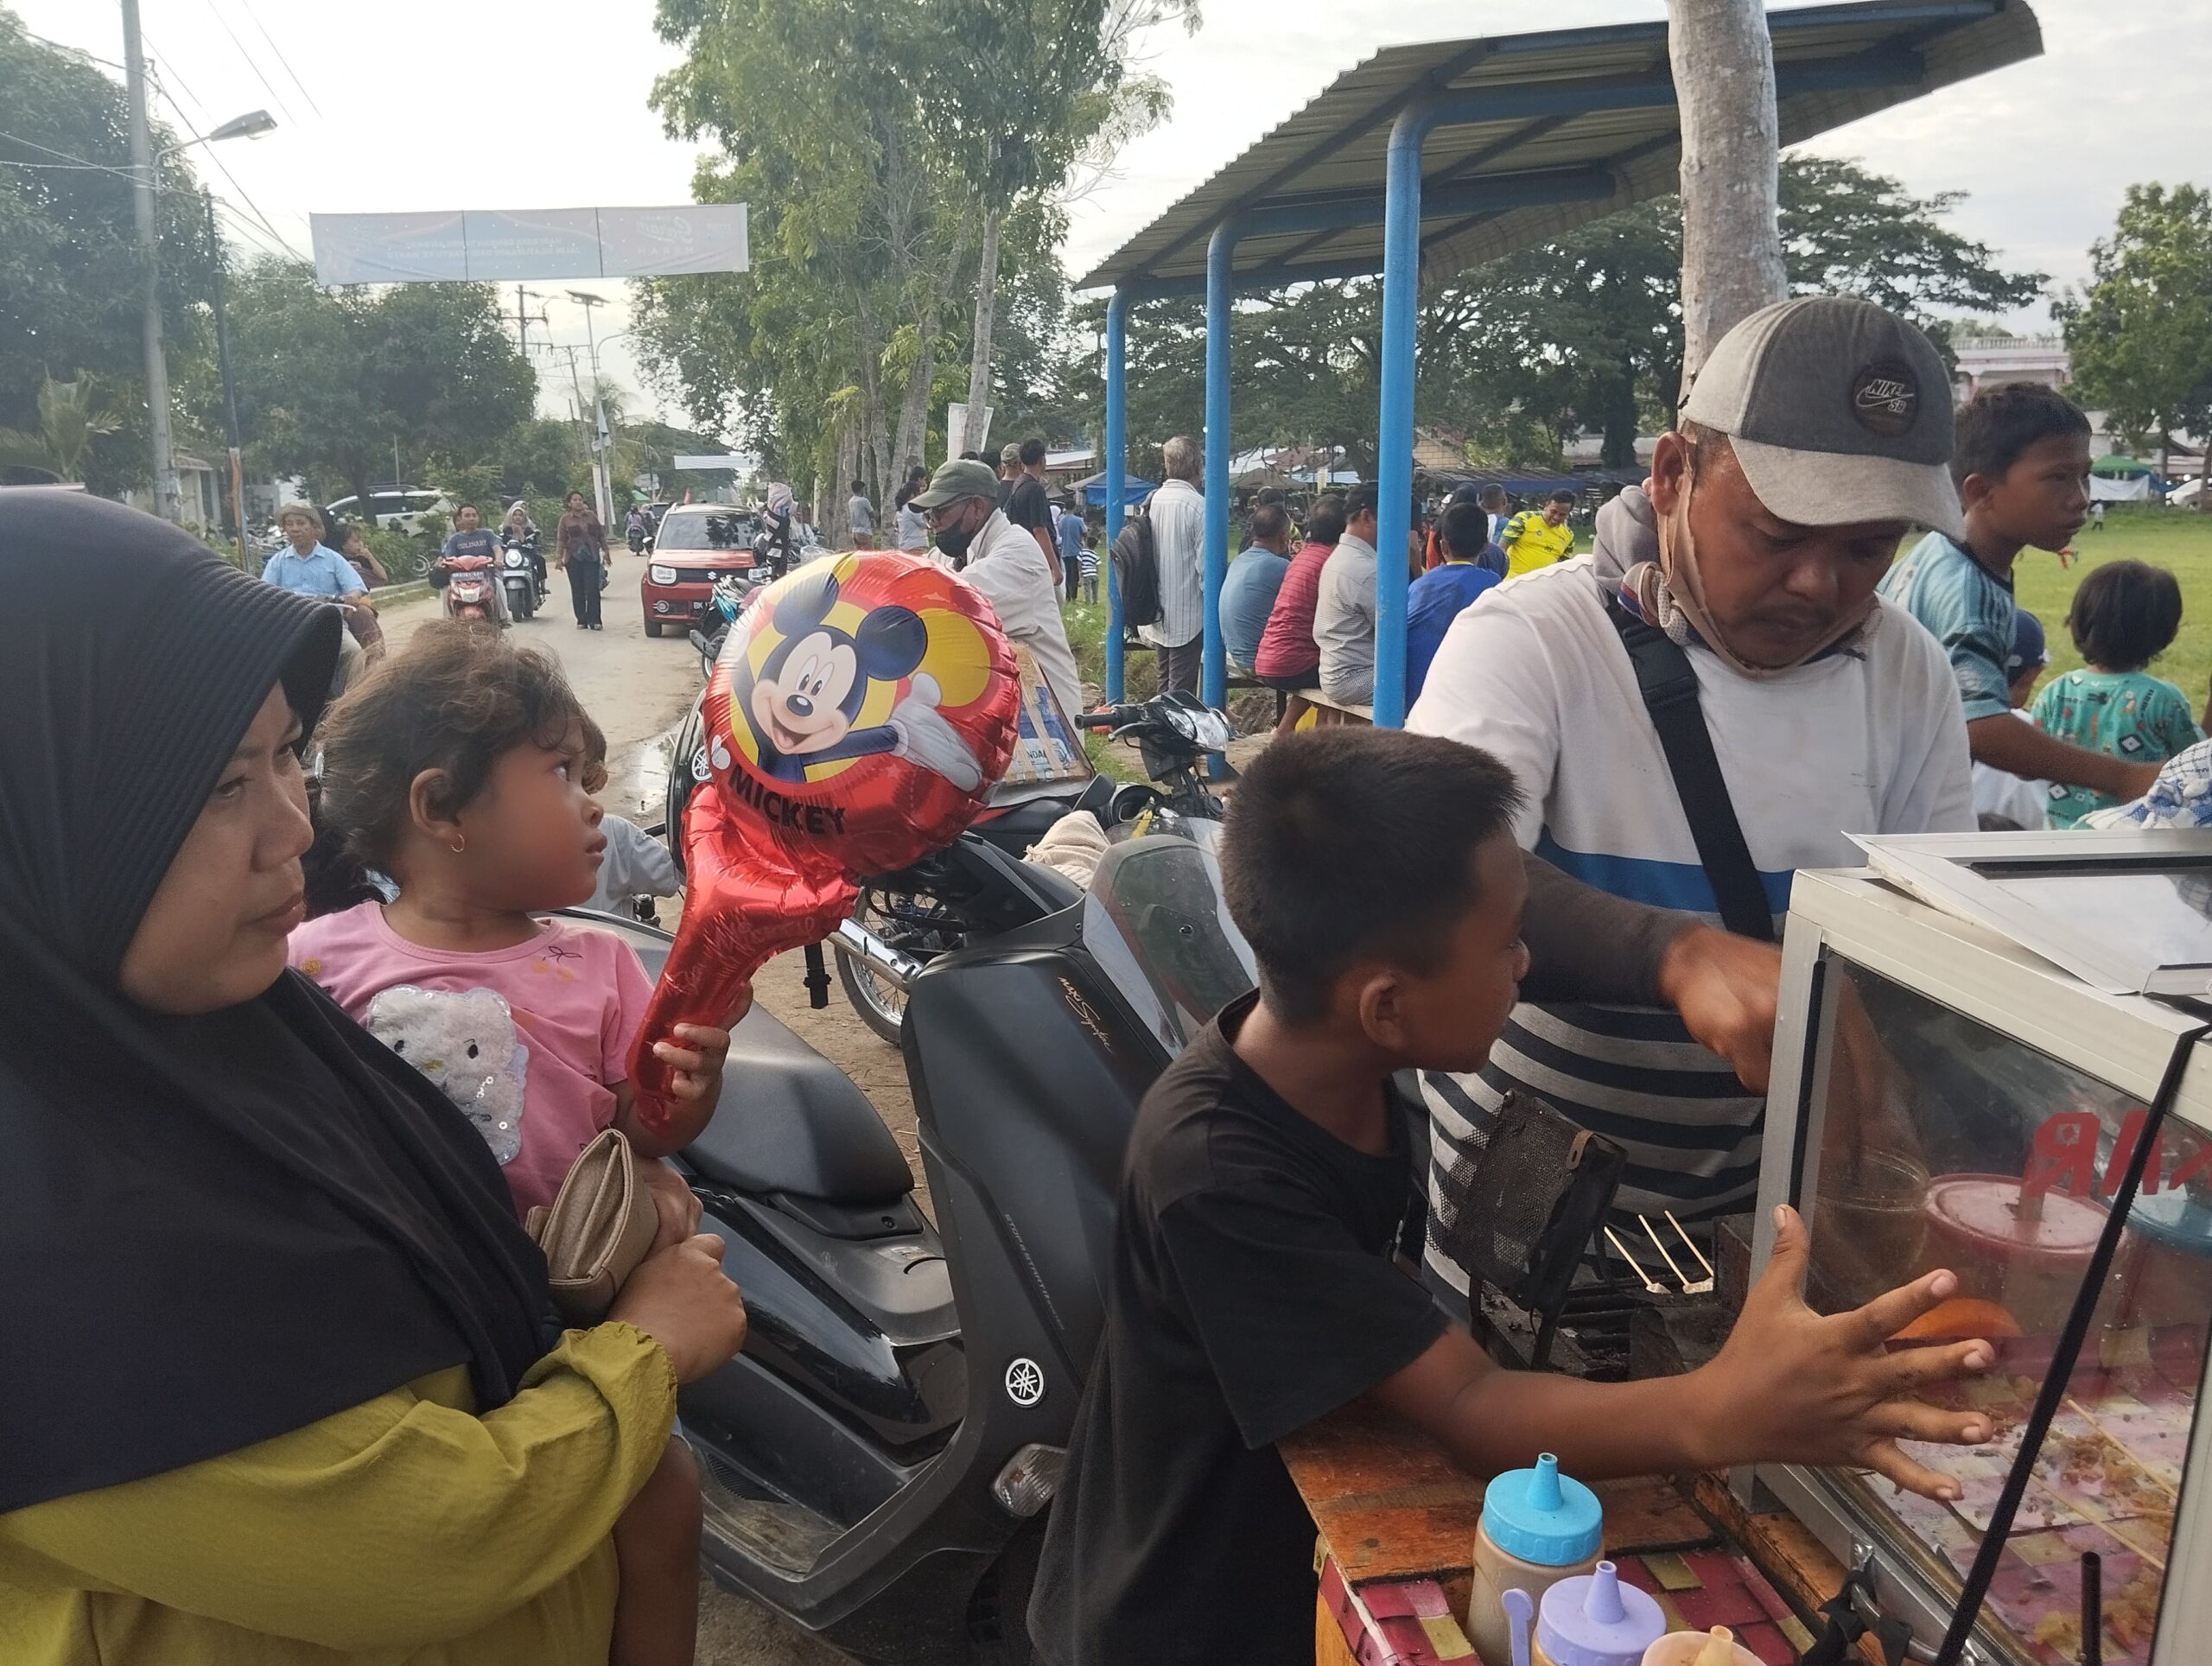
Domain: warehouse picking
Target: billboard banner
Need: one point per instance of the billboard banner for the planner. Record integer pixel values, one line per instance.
(526, 244)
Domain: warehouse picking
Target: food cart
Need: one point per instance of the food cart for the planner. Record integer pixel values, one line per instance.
(1974, 1033)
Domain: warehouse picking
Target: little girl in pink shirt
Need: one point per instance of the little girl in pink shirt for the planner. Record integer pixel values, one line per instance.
(463, 769)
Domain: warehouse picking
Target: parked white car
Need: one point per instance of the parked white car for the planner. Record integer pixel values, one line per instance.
(400, 510)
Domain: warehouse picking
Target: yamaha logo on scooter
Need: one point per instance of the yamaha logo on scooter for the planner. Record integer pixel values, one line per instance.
(1025, 1383)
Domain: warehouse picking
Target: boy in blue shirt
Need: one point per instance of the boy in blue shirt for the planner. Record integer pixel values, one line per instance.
(1446, 591)
(2021, 458)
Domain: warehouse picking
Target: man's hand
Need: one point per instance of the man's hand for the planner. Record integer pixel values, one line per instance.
(1725, 988)
(1790, 1386)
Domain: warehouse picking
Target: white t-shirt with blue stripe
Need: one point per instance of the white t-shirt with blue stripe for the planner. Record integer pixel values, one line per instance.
(1865, 739)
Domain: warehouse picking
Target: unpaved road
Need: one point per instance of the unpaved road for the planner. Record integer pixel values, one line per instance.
(635, 689)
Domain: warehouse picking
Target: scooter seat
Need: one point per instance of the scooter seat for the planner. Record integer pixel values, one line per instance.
(790, 1121)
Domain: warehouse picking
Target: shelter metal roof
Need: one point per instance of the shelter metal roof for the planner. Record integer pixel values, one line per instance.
(1585, 124)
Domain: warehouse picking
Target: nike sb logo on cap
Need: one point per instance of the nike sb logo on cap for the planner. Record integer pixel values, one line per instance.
(1885, 397)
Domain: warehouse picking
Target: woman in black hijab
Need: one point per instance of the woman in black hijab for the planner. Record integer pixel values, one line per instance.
(277, 1372)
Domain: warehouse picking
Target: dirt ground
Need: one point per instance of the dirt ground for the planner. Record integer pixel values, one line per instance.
(636, 689)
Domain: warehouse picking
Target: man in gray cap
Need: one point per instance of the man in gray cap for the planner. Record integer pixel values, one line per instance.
(960, 507)
(1816, 435)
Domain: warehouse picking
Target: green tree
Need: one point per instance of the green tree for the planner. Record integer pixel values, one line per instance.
(70, 261)
(1015, 93)
(328, 379)
(2140, 335)
(71, 416)
(1527, 351)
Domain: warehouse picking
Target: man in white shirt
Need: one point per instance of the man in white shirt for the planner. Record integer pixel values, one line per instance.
(961, 505)
(1179, 532)
(1818, 433)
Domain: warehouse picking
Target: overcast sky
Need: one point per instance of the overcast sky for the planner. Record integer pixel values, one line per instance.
(530, 103)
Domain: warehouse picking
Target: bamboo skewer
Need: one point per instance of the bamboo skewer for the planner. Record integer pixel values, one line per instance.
(1650, 1283)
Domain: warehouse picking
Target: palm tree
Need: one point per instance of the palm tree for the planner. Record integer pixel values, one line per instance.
(70, 418)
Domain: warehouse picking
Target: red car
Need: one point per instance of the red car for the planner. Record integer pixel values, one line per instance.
(696, 545)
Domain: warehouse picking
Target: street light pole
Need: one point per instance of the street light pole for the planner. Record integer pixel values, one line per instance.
(167, 499)
(602, 484)
(229, 390)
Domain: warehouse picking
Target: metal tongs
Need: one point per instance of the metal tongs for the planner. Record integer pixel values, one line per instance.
(1689, 1286)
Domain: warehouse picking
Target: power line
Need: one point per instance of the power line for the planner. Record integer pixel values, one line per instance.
(282, 59)
(160, 69)
(214, 155)
(73, 160)
(63, 46)
(224, 24)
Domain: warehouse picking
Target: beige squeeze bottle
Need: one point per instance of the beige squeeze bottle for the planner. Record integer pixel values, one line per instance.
(1538, 1527)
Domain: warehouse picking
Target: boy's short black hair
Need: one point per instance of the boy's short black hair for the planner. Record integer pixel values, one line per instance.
(1999, 423)
(1269, 521)
(1348, 843)
(1489, 495)
(1560, 496)
(1325, 522)
(1465, 528)
(1033, 452)
(859, 490)
(2125, 615)
(1361, 500)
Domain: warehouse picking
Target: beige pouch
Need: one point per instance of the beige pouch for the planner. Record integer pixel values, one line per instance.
(601, 1224)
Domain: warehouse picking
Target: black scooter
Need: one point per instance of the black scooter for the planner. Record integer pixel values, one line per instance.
(876, 1463)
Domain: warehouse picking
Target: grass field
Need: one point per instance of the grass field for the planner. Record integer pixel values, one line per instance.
(2176, 539)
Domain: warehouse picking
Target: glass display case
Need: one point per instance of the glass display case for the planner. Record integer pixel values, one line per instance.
(1945, 1095)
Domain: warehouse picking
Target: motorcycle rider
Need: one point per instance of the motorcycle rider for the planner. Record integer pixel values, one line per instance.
(520, 532)
(471, 537)
(309, 567)
(775, 544)
(637, 530)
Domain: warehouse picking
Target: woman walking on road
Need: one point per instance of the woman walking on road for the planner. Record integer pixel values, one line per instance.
(284, 1383)
(581, 549)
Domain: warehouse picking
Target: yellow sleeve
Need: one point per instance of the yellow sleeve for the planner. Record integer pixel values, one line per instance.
(399, 1522)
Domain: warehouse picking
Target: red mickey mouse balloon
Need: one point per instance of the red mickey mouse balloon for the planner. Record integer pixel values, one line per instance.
(859, 714)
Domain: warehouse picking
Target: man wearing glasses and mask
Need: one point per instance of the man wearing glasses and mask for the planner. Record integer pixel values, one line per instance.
(960, 507)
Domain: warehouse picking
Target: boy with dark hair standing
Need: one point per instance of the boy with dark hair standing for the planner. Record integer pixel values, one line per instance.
(1268, 1183)
(2021, 459)
(2125, 615)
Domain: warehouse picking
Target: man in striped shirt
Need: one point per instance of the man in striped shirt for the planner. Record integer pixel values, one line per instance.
(1816, 435)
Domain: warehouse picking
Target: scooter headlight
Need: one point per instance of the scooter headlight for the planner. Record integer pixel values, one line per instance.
(1031, 1477)
(661, 575)
(514, 560)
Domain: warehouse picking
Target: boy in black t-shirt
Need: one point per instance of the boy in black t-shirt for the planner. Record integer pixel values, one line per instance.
(1269, 1178)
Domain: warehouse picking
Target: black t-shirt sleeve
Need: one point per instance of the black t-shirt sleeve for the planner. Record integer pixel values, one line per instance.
(1296, 1318)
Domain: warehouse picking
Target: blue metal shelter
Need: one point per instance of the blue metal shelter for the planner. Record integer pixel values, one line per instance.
(1428, 159)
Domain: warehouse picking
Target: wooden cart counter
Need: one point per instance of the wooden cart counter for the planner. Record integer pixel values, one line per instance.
(1397, 1522)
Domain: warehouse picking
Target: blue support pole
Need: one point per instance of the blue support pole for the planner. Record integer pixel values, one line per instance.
(1394, 441)
(1221, 255)
(1117, 470)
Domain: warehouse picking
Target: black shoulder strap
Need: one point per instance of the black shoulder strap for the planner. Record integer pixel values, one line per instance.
(1670, 688)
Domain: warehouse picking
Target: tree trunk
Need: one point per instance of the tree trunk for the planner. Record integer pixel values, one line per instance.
(1732, 238)
(837, 526)
(979, 363)
(914, 409)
